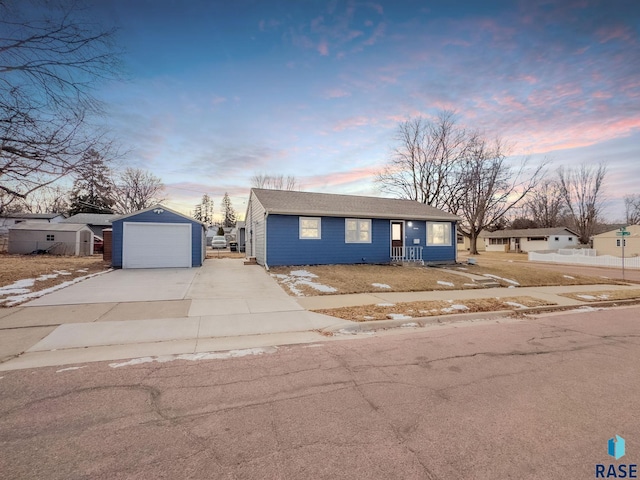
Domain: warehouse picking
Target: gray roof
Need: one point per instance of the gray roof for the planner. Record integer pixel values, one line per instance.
(33, 216)
(159, 207)
(50, 227)
(91, 218)
(528, 232)
(286, 202)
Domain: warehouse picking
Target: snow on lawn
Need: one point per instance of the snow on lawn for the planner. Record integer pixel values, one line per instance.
(297, 278)
(380, 285)
(398, 316)
(62, 272)
(385, 304)
(446, 284)
(515, 304)
(500, 278)
(455, 308)
(604, 296)
(26, 293)
(569, 277)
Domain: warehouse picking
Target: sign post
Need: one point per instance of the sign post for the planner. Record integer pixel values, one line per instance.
(623, 233)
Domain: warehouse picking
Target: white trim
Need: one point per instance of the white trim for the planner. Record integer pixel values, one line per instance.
(404, 234)
(358, 230)
(318, 219)
(429, 244)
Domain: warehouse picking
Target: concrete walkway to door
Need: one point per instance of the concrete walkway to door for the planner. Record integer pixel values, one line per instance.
(220, 306)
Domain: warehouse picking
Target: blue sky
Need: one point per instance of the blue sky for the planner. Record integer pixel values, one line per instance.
(218, 91)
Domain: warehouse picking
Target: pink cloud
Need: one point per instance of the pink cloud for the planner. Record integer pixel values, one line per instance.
(615, 32)
(323, 48)
(352, 122)
(340, 178)
(336, 93)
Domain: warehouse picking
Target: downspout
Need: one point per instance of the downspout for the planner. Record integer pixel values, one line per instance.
(455, 237)
(266, 265)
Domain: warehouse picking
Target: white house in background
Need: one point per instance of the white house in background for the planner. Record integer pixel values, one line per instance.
(10, 219)
(530, 239)
(464, 243)
(610, 243)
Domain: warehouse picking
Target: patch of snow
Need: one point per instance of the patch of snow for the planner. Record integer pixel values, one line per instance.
(446, 284)
(42, 278)
(604, 296)
(279, 275)
(569, 277)
(455, 308)
(20, 286)
(587, 297)
(462, 268)
(367, 317)
(409, 325)
(398, 316)
(385, 304)
(515, 304)
(500, 278)
(302, 273)
(471, 285)
(380, 285)
(196, 356)
(62, 272)
(511, 286)
(10, 301)
(83, 270)
(346, 331)
(69, 369)
(317, 286)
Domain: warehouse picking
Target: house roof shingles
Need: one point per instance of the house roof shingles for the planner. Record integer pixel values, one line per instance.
(91, 218)
(528, 232)
(49, 227)
(286, 202)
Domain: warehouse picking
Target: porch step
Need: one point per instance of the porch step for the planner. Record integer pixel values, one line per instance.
(251, 261)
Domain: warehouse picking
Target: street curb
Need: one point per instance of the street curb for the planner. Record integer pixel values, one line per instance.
(419, 322)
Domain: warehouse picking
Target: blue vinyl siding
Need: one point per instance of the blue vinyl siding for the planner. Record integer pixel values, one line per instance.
(284, 247)
(197, 234)
(441, 253)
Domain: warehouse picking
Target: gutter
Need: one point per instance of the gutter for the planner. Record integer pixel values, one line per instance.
(266, 215)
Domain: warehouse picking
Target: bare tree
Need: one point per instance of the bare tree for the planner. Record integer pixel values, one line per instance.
(546, 205)
(275, 182)
(424, 164)
(632, 209)
(582, 192)
(491, 187)
(49, 199)
(50, 60)
(135, 189)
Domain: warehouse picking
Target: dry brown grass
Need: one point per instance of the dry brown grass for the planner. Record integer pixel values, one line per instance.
(213, 254)
(20, 267)
(602, 295)
(359, 278)
(431, 308)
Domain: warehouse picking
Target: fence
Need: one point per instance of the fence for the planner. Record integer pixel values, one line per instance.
(406, 254)
(587, 252)
(585, 259)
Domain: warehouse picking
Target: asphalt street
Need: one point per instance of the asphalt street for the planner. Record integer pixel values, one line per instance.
(528, 398)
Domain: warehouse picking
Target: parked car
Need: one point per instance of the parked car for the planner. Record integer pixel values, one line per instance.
(218, 242)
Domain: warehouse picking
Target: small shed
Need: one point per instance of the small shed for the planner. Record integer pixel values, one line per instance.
(54, 238)
(157, 237)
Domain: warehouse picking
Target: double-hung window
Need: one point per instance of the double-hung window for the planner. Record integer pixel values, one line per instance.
(357, 230)
(310, 228)
(439, 233)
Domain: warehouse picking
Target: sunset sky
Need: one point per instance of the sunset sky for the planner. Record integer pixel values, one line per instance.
(218, 91)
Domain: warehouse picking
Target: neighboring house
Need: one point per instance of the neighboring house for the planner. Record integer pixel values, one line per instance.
(240, 233)
(9, 219)
(464, 243)
(302, 228)
(529, 239)
(54, 238)
(610, 243)
(95, 221)
(157, 237)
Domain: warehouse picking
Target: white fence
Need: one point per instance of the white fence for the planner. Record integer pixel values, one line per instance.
(587, 252)
(406, 254)
(584, 259)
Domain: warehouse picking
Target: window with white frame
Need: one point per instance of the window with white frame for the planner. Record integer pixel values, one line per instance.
(439, 233)
(621, 243)
(357, 230)
(310, 228)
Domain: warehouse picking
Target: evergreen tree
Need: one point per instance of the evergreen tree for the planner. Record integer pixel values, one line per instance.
(229, 212)
(92, 188)
(220, 231)
(204, 211)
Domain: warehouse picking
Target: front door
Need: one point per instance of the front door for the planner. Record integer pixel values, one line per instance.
(397, 239)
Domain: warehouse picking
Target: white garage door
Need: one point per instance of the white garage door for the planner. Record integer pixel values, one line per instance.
(156, 245)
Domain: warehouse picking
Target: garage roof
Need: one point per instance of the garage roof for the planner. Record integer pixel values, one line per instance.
(50, 227)
(155, 207)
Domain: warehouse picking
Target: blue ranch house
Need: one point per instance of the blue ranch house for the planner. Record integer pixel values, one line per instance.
(302, 228)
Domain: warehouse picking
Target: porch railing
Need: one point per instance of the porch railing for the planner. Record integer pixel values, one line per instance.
(407, 254)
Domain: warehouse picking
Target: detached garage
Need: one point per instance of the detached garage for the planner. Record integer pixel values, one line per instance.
(157, 237)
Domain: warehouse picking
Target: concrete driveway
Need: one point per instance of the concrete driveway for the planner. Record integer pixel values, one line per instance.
(130, 313)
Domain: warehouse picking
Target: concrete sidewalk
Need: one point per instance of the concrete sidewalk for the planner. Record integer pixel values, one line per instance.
(223, 305)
